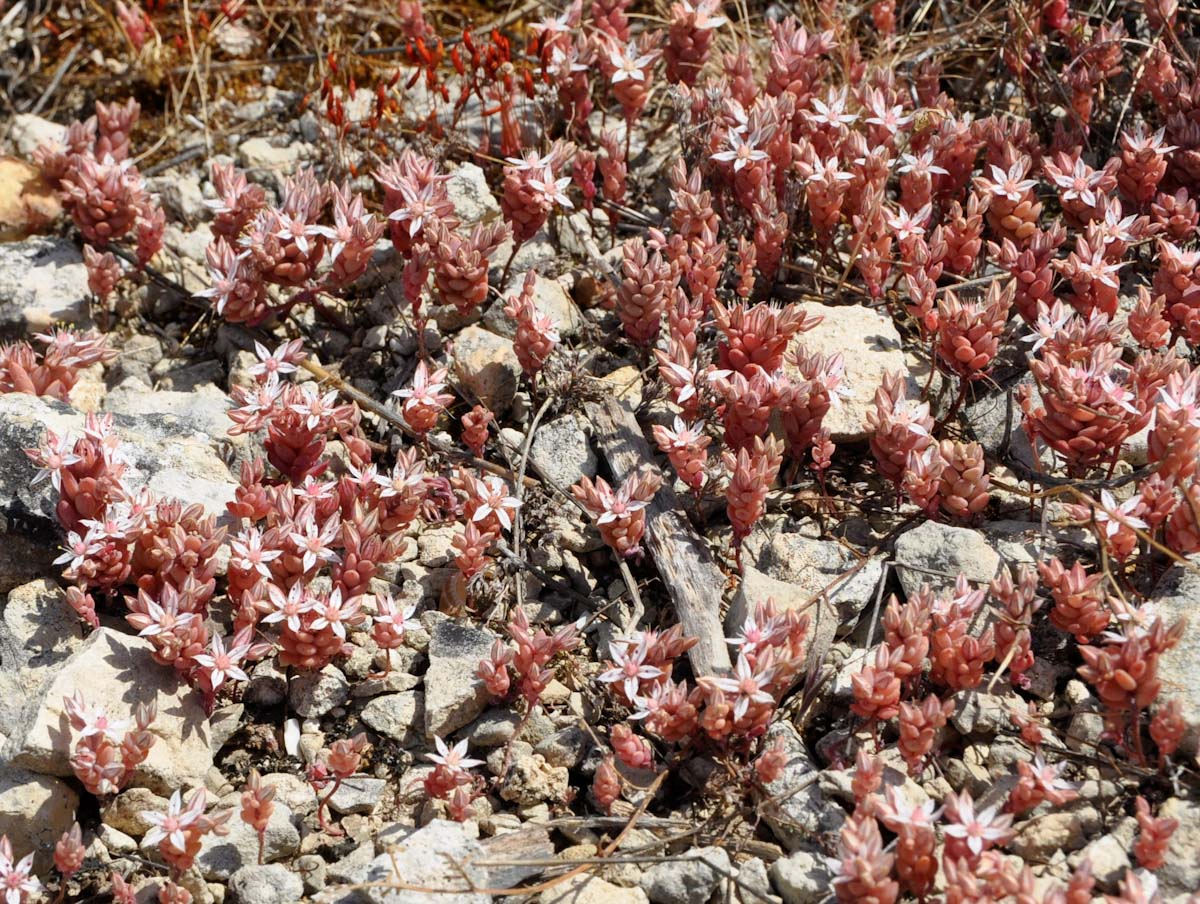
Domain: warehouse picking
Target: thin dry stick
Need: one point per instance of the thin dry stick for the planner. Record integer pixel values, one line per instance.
(400, 885)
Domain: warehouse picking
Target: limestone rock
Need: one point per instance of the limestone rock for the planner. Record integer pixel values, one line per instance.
(42, 282)
(170, 459)
(691, 877)
(1179, 668)
(931, 551)
(550, 297)
(202, 409)
(23, 559)
(425, 858)
(532, 780)
(358, 794)
(454, 696)
(271, 883)
(222, 856)
(870, 347)
(115, 672)
(398, 716)
(35, 810)
(801, 878)
(487, 367)
(313, 694)
(562, 453)
(757, 587)
(817, 566)
(1180, 874)
(38, 632)
(587, 889)
(28, 131)
(797, 810)
(472, 198)
(27, 204)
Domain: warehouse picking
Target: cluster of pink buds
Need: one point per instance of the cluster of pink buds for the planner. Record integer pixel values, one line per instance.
(256, 246)
(471, 559)
(523, 663)
(724, 709)
(1079, 600)
(475, 429)
(489, 504)
(1090, 401)
(537, 335)
(56, 369)
(460, 268)
(689, 38)
(179, 832)
(1039, 782)
(101, 188)
(257, 807)
(339, 763)
(949, 476)
(450, 781)
(863, 869)
(620, 515)
(1124, 673)
(647, 286)
(108, 750)
(969, 332)
(686, 445)
(900, 428)
(752, 471)
(532, 188)
(425, 400)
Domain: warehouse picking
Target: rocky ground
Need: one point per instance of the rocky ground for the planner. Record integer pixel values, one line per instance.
(695, 825)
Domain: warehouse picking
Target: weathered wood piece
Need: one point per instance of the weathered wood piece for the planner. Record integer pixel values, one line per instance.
(688, 570)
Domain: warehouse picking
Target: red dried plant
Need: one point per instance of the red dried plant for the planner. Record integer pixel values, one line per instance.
(957, 658)
(1013, 209)
(1124, 673)
(606, 785)
(876, 687)
(425, 401)
(460, 263)
(969, 332)
(1039, 782)
(330, 770)
(526, 659)
(1018, 604)
(1168, 727)
(916, 841)
(969, 833)
(749, 401)
(758, 336)
(686, 445)
(689, 38)
(475, 429)
(1176, 214)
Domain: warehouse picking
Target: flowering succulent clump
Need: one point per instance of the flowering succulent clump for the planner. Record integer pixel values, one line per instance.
(709, 185)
